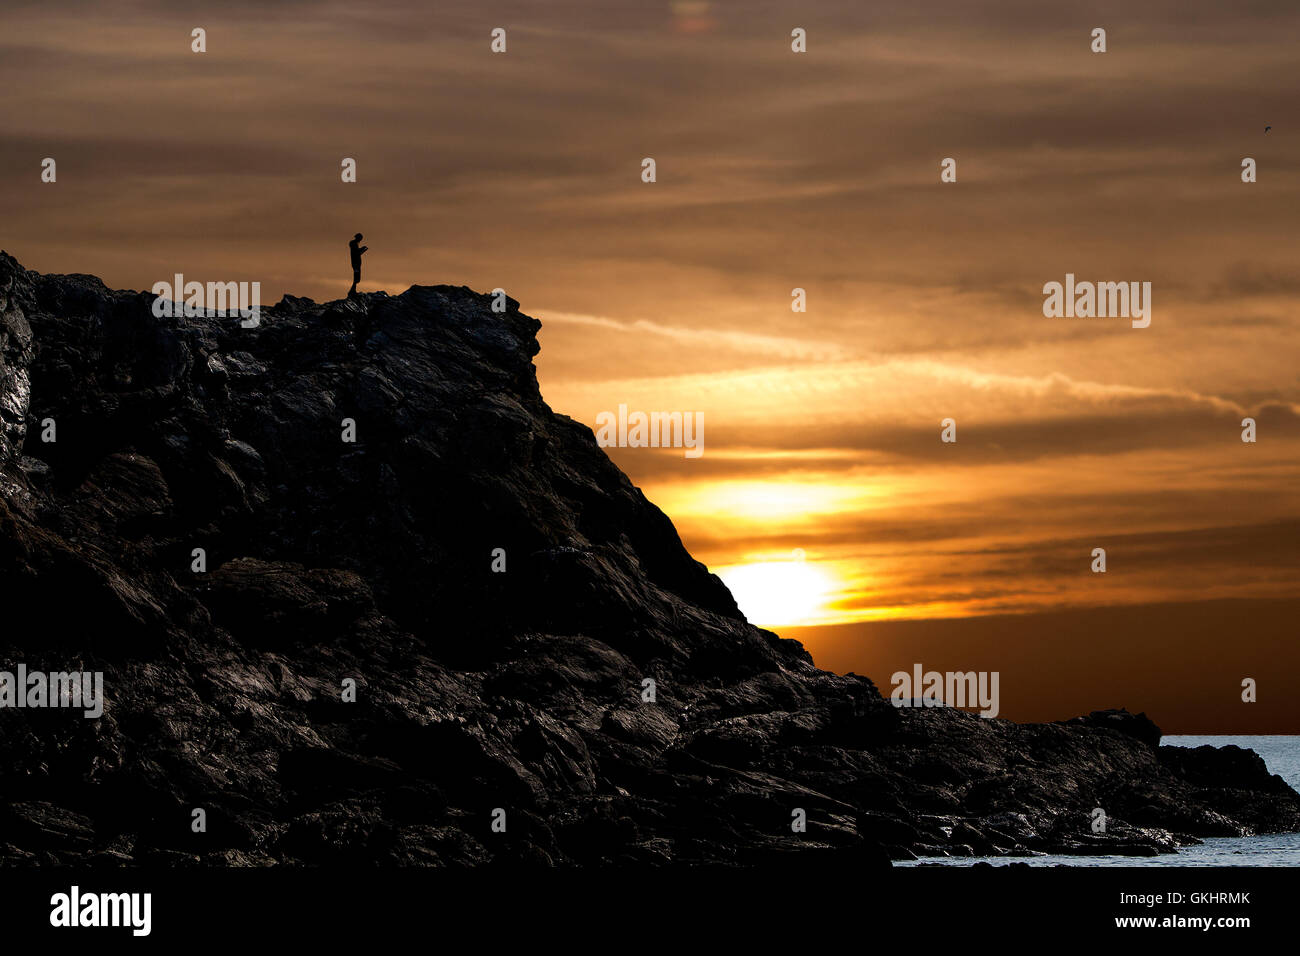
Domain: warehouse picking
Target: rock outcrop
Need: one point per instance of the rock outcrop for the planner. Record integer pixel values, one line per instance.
(200, 532)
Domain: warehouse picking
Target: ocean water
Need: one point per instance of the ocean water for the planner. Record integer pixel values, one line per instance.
(1282, 756)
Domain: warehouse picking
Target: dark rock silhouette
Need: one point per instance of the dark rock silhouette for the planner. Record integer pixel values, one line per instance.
(1135, 725)
(477, 690)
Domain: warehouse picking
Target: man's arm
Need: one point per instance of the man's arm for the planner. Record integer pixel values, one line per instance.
(362, 249)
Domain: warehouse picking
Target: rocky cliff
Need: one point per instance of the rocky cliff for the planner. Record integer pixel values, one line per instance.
(199, 531)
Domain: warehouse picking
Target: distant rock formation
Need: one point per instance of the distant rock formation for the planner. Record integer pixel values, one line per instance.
(476, 691)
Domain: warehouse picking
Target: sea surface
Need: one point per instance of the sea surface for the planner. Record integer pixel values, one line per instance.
(1280, 753)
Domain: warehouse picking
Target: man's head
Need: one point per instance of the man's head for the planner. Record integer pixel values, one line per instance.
(357, 237)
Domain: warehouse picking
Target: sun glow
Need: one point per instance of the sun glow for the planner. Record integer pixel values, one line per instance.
(779, 593)
(763, 502)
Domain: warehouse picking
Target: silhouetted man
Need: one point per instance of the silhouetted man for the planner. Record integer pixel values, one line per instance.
(356, 262)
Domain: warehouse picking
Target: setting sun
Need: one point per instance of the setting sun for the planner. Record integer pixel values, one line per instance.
(779, 593)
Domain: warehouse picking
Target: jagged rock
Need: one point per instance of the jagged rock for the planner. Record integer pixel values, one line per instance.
(1135, 725)
(15, 357)
(371, 562)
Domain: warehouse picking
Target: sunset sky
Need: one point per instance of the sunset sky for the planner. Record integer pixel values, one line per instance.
(778, 170)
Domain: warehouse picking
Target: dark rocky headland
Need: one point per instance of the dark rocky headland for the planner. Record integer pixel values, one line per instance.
(477, 690)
